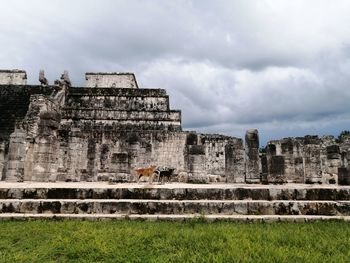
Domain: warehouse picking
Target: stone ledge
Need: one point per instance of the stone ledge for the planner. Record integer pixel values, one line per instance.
(102, 185)
(110, 114)
(175, 217)
(82, 91)
(176, 191)
(205, 207)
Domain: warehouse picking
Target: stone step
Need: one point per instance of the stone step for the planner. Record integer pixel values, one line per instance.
(171, 191)
(176, 217)
(204, 207)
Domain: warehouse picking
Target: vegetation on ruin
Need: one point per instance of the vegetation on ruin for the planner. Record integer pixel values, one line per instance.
(343, 135)
(192, 241)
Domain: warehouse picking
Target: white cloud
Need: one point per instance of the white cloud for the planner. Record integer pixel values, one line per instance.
(210, 95)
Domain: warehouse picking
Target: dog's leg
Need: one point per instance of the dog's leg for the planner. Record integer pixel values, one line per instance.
(156, 173)
(156, 176)
(138, 179)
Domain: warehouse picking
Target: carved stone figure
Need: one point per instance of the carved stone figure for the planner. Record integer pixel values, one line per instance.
(59, 94)
(61, 87)
(42, 79)
(65, 78)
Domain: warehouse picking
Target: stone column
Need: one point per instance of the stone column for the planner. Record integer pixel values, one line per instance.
(75, 154)
(29, 161)
(252, 156)
(287, 151)
(298, 162)
(2, 159)
(345, 157)
(333, 159)
(344, 176)
(234, 162)
(46, 148)
(275, 163)
(91, 156)
(312, 163)
(264, 169)
(16, 156)
(196, 162)
(276, 167)
(45, 168)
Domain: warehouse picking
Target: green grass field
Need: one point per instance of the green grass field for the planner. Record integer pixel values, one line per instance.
(192, 241)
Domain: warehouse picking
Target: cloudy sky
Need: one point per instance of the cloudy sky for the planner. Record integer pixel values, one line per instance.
(280, 66)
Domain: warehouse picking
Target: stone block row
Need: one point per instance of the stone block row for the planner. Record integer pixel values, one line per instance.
(120, 115)
(205, 207)
(237, 193)
(141, 103)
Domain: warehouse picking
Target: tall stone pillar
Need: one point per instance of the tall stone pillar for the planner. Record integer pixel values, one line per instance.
(276, 169)
(16, 156)
(29, 161)
(264, 169)
(2, 159)
(312, 163)
(75, 154)
(292, 167)
(298, 154)
(234, 162)
(274, 163)
(91, 164)
(344, 175)
(252, 156)
(196, 162)
(46, 148)
(333, 159)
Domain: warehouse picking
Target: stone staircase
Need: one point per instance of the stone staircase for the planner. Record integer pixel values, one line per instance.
(95, 201)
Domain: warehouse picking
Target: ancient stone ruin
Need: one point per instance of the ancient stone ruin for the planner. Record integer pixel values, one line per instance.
(111, 127)
(77, 153)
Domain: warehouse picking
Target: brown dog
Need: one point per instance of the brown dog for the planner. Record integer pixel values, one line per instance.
(149, 171)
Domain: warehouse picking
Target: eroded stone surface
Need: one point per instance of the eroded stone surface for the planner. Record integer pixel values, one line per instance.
(104, 131)
(309, 159)
(13, 77)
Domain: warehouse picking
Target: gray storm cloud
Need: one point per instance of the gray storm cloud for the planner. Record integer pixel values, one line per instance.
(280, 66)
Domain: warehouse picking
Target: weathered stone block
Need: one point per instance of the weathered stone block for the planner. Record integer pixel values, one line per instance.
(312, 159)
(196, 149)
(343, 176)
(276, 169)
(252, 156)
(333, 152)
(13, 77)
(234, 162)
(111, 80)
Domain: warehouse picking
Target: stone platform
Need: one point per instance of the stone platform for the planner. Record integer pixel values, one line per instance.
(174, 201)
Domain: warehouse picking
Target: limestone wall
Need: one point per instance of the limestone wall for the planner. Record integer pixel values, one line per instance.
(33, 146)
(224, 158)
(101, 132)
(13, 77)
(308, 159)
(14, 104)
(143, 103)
(117, 115)
(119, 92)
(120, 109)
(110, 153)
(111, 80)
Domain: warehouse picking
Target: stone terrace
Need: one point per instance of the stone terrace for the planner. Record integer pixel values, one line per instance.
(175, 201)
